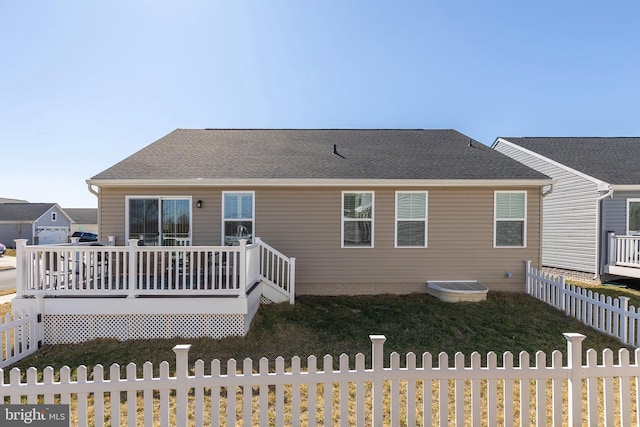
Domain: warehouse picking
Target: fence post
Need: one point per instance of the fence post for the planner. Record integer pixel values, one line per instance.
(377, 366)
(292, 280)
(21, 267)
(611, 242)
(182, 374)
(574, 365)
(527, 276)
(624, 320)
(243, 268)
(132, 273)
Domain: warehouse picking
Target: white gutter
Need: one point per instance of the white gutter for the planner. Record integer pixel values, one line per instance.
(598, 206)
(302, 182)
(91, 190)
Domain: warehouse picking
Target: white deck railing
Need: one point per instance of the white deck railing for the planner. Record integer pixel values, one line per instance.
(425, 389)
(133, 270)
(624, 251)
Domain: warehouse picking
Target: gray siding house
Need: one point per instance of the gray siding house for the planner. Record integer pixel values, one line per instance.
(39, 223)
(592, 213)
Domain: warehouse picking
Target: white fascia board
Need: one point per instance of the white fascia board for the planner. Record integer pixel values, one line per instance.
(293, 182)
(602, 185)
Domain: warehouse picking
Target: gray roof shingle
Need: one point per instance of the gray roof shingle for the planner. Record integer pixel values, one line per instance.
(23, 211)
(309, 154)
(614, 160)
(83, 215)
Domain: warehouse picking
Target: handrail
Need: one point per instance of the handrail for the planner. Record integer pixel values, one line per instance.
(131, 271)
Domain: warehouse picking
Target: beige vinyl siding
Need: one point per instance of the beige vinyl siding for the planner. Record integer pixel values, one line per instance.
(306, 223)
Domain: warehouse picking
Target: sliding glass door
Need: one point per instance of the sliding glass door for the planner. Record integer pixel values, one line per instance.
(159, 220)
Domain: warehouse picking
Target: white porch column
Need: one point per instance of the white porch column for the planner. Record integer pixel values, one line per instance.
(243, 268)
(611, 241)
(21, 267)
(292, 280)
(132, 271)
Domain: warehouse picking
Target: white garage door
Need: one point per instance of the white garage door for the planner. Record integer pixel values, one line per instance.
(52, 235)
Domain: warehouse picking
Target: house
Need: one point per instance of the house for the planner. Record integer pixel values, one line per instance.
(221, 219)
(363, 211)
(84, 219)
(39, 223)
(592, 214)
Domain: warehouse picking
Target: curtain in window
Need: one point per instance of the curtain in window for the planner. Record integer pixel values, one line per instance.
(510, 213)
(357, 219)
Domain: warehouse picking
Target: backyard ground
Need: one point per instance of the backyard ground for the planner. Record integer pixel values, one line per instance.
(335, 325)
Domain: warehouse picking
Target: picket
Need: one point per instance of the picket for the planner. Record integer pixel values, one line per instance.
(611, 316)
(392, 391)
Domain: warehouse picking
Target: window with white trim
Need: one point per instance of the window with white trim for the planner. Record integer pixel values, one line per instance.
(357, 219)
(237, 217)
(158, 221)
(54, 216)
(633, 217)
(411, 219)
(510, 214)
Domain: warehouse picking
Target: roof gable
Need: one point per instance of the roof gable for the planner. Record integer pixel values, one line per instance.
(309, 154)
(613, 160)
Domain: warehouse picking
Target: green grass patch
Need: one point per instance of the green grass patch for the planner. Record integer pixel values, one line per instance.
(613, 291)
(335, 325)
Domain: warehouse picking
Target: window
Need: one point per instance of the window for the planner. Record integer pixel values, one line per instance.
(357, 219)
(159, 220)
(633, 217)
(510, 218)
(54, 216)
(237, 217)
(411, 219)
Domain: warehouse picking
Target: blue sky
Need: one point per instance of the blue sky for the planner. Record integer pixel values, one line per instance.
(83, 84)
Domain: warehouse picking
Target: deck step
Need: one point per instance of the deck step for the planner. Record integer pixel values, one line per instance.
(274, 293)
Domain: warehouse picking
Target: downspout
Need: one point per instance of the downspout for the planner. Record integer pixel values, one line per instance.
(599, 200)
(95, 193)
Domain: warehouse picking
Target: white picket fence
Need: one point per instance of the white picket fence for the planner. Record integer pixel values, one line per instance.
(612, 316)
(392, 392)
(21, 335)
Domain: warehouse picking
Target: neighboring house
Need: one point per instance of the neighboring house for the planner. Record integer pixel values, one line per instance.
(84, 219)
(363, 211)
(39, 223)
(592, 213)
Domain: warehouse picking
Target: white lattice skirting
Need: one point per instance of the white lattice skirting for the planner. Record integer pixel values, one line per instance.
(62, 329)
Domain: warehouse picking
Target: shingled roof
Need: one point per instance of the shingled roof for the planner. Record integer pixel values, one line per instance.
(615, 161)
(317, 154)
(24, 212)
